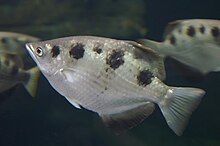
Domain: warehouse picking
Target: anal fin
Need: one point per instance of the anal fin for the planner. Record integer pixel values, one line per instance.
(121, 121)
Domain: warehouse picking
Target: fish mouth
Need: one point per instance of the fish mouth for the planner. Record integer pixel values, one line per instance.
(30, 49)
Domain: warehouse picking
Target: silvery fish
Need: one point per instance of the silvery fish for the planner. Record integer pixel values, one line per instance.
(12, 73)
(119, 80)
(14, 43)
(195, 43)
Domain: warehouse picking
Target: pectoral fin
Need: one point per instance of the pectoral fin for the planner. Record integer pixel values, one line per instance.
(69, 76)
(121, 121)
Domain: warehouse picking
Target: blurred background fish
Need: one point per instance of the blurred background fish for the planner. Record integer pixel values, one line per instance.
(14, 61)
(12, 73)
(194, 42)
(14, 43)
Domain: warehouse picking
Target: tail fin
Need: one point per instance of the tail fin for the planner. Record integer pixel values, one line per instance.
(32, 83)
(178, 105)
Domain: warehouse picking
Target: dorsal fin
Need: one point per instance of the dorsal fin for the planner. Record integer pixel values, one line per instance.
(144, 48)
(19, 36)
(171, 26)
(158, 59)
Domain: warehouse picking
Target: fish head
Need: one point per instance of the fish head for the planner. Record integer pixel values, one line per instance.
(46, 55)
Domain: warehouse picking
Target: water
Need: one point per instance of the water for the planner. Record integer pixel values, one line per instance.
(49, 120)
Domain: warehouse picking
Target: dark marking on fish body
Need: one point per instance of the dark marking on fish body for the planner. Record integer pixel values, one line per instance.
(5, 40)
(180, 31)
(215, 32)
(77, 51)
(115, 59)
(97, 50)
(144, 77)
(191, 31)
(172, 40)
(202, 29)
(55, 51)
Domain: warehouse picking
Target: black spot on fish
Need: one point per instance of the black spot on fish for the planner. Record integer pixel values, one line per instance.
(77, 51)
(215, 32)
(5, 40)
(173, 40)
(180, 30)
(144, 77)
(115, 59)
(191, 31)
(106, 88)
(97, 50)
(202, 29)
(55, 51)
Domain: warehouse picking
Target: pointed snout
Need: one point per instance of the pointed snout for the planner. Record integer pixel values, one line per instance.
(30, 49)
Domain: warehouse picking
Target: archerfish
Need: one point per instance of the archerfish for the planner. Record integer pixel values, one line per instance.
(194, 42)
(12, 73)
(119, 80)
(14, 43)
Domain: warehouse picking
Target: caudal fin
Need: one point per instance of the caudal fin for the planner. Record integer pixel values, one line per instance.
(32, 83)
(178, 105)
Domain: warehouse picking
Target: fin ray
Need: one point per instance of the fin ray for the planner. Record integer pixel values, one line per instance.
(178, 105)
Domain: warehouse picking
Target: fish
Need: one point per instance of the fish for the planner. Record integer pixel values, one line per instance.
(193, 42)
(14, 43)
(12, 74)
(119, 80)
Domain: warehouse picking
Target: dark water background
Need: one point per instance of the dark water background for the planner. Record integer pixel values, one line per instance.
(50, 120)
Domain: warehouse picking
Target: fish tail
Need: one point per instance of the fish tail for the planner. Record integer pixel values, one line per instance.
(32, 83)
(178, 105)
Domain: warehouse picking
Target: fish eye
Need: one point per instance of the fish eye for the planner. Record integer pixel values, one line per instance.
(39, 51)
